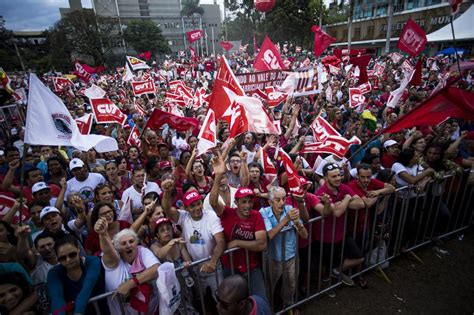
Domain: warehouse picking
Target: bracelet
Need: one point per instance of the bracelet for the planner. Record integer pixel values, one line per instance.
(135, 280)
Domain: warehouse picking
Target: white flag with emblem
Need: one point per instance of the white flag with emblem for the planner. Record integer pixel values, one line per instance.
(48, 122)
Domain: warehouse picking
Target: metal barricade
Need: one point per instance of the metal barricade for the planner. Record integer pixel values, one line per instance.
(400, 222)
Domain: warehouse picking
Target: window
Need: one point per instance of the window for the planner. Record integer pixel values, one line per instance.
(143, 7)
(357, 33)
(381, 11)
(370, 31)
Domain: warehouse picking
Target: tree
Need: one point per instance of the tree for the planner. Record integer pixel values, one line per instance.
(83, 35)
(190, 7)
(145, 35)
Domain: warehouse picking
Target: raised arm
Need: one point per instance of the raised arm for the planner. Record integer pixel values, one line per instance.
(189, 166)
(244, 170)
(110, 258)
(219, 170)
(60, 200)
(23, 247)
(7, 183)
(167, 186)
(138, 223)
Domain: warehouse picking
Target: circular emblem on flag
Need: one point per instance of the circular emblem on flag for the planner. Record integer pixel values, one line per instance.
(62, 125)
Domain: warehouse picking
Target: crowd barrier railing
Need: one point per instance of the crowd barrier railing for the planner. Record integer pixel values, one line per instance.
(398, 223)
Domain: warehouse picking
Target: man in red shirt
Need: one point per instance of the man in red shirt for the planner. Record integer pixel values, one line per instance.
(243, 228)
(369, 189)
(342, 199)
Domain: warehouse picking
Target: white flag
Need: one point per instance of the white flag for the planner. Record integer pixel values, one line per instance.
(126, 211)
(207, 135)
(94, 92)
(48, 122)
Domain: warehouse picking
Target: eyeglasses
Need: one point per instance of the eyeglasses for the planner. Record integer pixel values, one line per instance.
(65, 257)
(235, 161)
(103, 214)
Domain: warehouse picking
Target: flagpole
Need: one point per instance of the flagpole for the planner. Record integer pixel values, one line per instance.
(213, 44)
(22, 181)
(184, 36)
(454, 44)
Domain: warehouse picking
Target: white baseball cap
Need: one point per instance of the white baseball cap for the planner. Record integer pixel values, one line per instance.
(75, 163)
(389, 143)
(39, 186)
(48, 210)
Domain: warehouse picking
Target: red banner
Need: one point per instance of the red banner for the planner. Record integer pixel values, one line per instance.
(268, 58)
(251, 82)
(355, 97)
(81, 72)
(6, 203)
(159, 118)
(365, 88)
(143, 87)
(194, 35)
(321, 40)
(105, 111)
(413, 39)
(84, 124)
(61, 84)
(292, 174)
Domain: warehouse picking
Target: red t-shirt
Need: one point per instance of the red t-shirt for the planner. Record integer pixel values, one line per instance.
(92, 243)
(329, 221)
(387, 160)
(236, 228)
(362, 214)
(311, 201)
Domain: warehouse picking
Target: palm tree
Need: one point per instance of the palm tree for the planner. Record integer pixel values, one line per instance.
(190, 7)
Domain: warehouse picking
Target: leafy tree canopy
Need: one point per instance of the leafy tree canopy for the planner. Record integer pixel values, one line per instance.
(144, 35)
(189, 7)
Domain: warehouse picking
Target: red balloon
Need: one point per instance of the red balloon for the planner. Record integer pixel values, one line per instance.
(264, 5)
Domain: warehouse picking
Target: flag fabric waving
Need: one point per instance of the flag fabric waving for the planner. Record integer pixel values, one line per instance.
(159, 118)
(412, 39)
(84, 123)
(269, 170)
(292, 174)
(48, 122)
(106, 112)
(226, 45)
(207, 135)
(194, 35)
(268, 57)
(321, 40)
(136, 64)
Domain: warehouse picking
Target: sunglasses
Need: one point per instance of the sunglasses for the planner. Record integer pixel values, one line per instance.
(65, 257)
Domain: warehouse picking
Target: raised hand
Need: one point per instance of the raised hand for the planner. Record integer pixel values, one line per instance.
(167, 185)
(101, 226)
(218, 164)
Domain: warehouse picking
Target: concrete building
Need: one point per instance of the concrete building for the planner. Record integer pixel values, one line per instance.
(166, 14)
(370, 24)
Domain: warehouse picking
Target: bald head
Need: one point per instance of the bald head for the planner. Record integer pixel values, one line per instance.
(232, 295)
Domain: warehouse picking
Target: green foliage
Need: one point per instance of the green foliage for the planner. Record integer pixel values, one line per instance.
(190, 7)
(145, 35)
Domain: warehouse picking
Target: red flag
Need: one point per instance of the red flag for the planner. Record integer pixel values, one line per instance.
(269, 170)
(84, 124)
(268, 57)
(194, 35)
(362, 63)
(455, 4)
(6, 203)
(145, 55)
(413, 39)
(61, 84)
(238, 120)
(134, 137)
(81, 72)
(346, 52)
(321, 40)
(416, 79)
(356, 98)
(448, 102)
(143, 87)
(194, 56)
(365, 88)
(159, 118)
(207, 135)
(226, 45)
(225, 84)
(105, 111)
(293, 179)
(274, 97)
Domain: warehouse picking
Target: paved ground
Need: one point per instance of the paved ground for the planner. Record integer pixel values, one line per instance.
(441, 285)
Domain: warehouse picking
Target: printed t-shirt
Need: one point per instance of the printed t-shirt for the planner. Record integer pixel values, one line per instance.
(199, 235)
(236, 228)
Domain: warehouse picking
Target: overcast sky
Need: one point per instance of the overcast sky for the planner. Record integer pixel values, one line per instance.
(35, 15)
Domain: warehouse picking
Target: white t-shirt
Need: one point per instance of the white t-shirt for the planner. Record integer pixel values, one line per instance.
(85, 188)
(40, 274)
(120, 274)
(199, 235)
(398, 168)
(136, 196)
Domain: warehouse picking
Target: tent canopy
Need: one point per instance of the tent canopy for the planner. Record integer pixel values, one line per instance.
(463, 28)
(451, 51)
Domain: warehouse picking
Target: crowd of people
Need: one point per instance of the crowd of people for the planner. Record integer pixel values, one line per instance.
(72, 241)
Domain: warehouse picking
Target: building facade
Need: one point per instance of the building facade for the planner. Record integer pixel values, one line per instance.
(166, 14)
(370, 23)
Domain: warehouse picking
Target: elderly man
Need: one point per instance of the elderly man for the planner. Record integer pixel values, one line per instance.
(243, 228)
(283, 246)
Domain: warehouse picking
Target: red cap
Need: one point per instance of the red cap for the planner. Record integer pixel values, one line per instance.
(243, 192)
(304, 181)
(190, 197)
(161, 221)
(164, 164)
(162, 144)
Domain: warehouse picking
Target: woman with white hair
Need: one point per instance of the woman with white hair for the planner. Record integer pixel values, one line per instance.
(130, 270)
